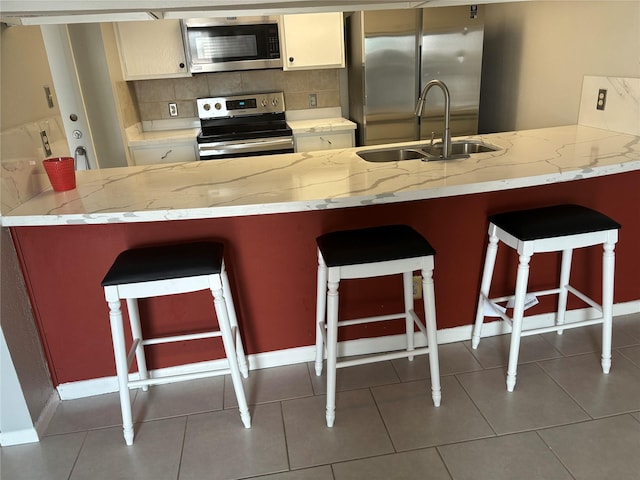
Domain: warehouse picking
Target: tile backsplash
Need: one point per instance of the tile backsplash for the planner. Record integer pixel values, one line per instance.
(622, 108)
(21, 153)
(153, 96)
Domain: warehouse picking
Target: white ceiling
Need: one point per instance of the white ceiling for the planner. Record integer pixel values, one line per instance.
(37, 12)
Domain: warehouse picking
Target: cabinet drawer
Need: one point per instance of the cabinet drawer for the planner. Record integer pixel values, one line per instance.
(163, 154)
(328, 141)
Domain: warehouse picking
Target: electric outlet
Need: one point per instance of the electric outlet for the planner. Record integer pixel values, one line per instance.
(173, 109)
(45, 143)
(602, 99)
(417, 287)
(313, 100)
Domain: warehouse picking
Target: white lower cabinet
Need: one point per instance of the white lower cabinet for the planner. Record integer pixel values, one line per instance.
(306, 142)
(149, 155)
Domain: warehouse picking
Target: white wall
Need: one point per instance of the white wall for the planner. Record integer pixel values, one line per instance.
(26, 389)
(537, 53)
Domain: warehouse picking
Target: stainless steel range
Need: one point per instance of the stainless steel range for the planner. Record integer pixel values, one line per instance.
(242, 126)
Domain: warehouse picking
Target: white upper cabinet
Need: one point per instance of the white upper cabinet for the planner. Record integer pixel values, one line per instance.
(312, 41)
(151, 49)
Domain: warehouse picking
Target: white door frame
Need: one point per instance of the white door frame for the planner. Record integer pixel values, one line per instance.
(71, 103)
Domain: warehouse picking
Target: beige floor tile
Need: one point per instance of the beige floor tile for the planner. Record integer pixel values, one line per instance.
(88, 413)
(632, 353)
(588, 339)
(413, 422)
(522, 456)
(454, 358)
(414, 465)
(536, 402)
(315, 473)
(154, 455)
(182, 398)
(358, 430)
(605, 448)
(494, 351)
(52, 458)
(353, 378)
(217, 446)
(598, 394)
(270, 385)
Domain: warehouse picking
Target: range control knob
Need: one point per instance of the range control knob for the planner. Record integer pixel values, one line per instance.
(207, 107)
(264, 102)
(218, 106)
(274, 101)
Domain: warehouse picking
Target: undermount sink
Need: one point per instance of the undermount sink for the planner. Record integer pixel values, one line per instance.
(426, 152)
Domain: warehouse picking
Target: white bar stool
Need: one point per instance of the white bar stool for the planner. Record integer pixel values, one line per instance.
(373, 252)
(548, 229)
(169, 270)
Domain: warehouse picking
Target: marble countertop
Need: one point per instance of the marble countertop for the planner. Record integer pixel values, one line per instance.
(136, 137)
(320, 125)
(326, 179)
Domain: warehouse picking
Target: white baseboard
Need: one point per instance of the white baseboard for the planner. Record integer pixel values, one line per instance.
(99, 386)
(19, 437)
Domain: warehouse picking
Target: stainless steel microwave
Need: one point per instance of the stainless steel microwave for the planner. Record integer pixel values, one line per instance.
(231, 43)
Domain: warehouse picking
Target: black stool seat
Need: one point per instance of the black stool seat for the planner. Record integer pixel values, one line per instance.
(553, 221)
(371, 245)
(164, 262)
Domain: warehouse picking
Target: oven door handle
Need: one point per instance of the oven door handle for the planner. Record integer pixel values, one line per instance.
(246, 145)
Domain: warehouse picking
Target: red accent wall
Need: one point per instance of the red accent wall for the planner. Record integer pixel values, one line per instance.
(272, 266)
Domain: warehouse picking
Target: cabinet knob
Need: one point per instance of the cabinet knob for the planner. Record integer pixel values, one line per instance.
(291, 59)
(181, 65)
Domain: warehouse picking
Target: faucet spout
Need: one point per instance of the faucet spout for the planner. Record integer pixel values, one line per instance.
(446, 137)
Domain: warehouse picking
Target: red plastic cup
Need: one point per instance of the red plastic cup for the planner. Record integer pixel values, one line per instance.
(61, 172)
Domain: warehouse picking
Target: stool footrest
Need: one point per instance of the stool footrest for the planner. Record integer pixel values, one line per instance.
(382, 356)
(584, 298)
(539, 293)
(564, 326)
(180, 338)
(379, 318)
(177, 378)
(494, 301)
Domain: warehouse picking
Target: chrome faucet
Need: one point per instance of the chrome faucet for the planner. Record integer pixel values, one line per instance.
(446, 137)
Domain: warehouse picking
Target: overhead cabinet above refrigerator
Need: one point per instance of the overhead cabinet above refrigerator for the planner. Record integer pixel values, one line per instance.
(394, 53)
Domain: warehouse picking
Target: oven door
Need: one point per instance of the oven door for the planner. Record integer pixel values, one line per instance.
(244, 148)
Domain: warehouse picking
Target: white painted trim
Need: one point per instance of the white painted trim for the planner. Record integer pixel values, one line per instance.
(19, 437)
(47, 413)
(99, 386)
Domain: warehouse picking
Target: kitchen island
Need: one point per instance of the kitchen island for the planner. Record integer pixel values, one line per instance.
(268, 210)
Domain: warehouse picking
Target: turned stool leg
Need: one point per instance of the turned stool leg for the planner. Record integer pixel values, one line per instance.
(432, 334)
(233, 322)
(565, 272)
(136, 333)
(407, 284)
(332, 347)
(518, 313)
(608, 261)
(321, 310)
(220, 306)
(485, 285)
(122, 368)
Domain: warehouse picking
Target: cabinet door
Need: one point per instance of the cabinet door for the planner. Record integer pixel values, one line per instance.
(163, 154)
(312, 41)
(330, 141)
(152, 49)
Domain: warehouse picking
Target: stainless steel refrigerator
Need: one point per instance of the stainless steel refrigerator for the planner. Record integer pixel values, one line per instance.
(394, 53)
